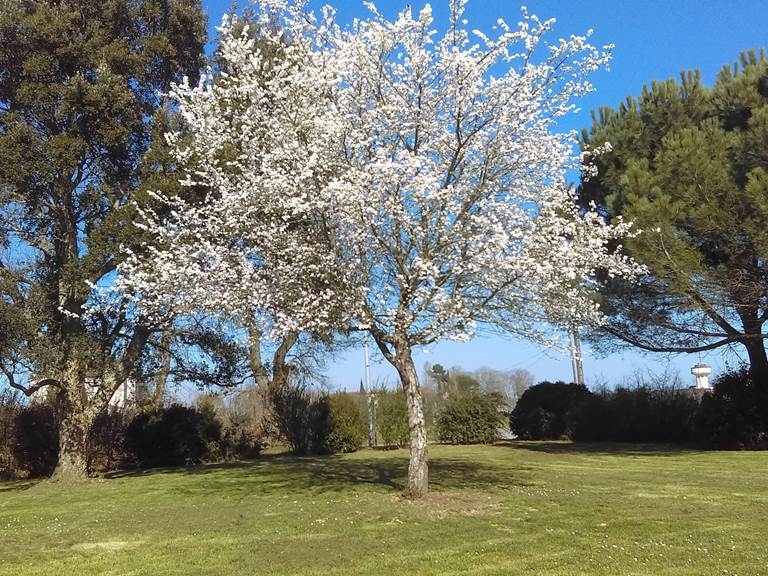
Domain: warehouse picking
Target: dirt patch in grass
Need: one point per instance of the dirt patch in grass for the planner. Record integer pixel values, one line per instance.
(109, 546)
(442, 504)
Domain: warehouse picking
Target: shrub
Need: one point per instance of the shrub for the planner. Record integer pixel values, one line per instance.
(249, 413)
(637, 415)
(172, 436)
(470, 418)
(106, 440)
(303, 418)
(29, 440)
(240, 444)
(290, 405)
(319, 425)
(10, 406)
(547, 411)
(242, 427)
(36, 445)
(349, 429)
(735, 414)
(392, 417)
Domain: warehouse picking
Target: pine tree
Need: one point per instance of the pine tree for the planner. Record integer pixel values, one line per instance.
(688, 165)
(80, 85)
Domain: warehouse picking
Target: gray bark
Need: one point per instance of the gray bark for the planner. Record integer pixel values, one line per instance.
(418, 468)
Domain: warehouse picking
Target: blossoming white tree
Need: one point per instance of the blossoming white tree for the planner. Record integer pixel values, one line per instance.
(384, 178)
(253, 247)
(458, 207)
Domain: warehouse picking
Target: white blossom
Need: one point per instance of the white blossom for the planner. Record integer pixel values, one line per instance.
(383, 177)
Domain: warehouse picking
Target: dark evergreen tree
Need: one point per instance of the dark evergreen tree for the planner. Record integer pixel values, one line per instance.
(440, 376)
(80, 95)
(689, 165)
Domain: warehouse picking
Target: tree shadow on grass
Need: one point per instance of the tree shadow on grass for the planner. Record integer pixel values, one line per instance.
(272, 474)
(16, 486)
(392, 473)
(600, 448)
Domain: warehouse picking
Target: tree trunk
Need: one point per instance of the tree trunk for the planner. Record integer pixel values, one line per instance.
(268, 384)
(73, 437)
(156, 400)
(417, 485)
(75, 409)
(758, 362)
(281, 369)
(258, 369)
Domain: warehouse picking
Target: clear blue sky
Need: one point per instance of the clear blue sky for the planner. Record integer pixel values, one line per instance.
(654, 39)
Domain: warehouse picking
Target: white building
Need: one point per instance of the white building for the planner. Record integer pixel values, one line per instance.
(127, 395)
(702, 371)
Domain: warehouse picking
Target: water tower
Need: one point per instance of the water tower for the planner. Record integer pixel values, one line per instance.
(702, 372)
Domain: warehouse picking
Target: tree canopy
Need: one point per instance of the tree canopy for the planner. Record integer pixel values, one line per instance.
(80, 86)
(383, 178)
(688, 164)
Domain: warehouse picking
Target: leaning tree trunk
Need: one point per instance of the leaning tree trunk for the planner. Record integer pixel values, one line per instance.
(268, 384)
(417, 485)
(750, 316)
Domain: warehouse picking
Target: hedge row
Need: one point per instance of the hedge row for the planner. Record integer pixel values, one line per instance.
(733, 416)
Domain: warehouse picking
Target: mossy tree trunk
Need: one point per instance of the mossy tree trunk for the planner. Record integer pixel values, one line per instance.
(73, 442)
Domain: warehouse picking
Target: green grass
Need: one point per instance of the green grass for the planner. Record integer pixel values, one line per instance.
(518, 508)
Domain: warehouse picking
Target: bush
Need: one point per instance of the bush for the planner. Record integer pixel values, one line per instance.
(172, 436)
(240, 444)
(10, 406)
(290, 405)
(316, 423)
(637, 415)
(249, 421)
(36, 445)
(349, 428)
(242, 431)
(735, 414)
(470, 418)
(303, 418)
(392, 417)
(106, 440)
(319, 425)
(547, 411)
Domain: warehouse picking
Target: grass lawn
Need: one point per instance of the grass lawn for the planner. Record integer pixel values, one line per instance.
(516, 508)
